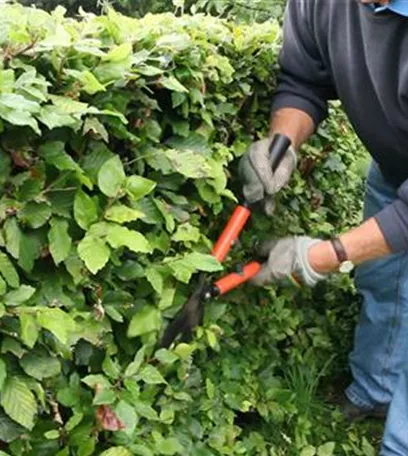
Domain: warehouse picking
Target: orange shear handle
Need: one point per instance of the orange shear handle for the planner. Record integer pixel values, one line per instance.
(236, 279)
(231, 232)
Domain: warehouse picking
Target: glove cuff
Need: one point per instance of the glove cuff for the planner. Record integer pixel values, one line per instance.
(308, 275)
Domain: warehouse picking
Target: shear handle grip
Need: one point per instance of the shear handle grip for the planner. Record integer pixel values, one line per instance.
(236, 279)
(277, 150)
(231, 232)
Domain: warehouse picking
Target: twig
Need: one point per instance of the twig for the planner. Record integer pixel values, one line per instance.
(66, 189)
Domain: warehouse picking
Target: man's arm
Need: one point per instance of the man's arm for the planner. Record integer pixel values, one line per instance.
(297, 125)
(363, 243)
(305, 83)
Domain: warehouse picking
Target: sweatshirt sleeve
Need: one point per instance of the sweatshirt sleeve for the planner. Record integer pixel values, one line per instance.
(304, 82)
(393, 221)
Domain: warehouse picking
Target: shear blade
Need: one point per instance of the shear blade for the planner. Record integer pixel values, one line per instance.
(190, 316)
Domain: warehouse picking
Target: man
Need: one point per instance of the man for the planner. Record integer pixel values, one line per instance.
(356, 51)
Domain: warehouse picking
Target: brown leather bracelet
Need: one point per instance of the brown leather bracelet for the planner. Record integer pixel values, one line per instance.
(339, 249)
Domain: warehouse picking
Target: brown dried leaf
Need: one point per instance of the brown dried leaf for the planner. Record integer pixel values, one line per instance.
(108, 420)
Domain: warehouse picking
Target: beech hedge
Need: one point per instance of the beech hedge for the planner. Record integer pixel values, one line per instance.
(118, 147)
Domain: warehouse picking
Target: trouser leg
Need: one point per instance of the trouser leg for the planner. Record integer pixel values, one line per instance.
(380, 351)
(395, 442)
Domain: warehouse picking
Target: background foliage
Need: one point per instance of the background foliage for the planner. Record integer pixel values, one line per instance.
(119, 140)
(256, 10)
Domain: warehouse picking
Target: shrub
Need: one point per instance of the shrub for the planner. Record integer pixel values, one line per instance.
(116, 139)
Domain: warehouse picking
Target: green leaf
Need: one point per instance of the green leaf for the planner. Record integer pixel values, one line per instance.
(34, 214)
(7, 81)
(210, 388)
(85, 210)
(52, 435)
(308, 451)
(126, 413)
(96, 381)
(327, 449)
(167, 415)
(111, 177)
(70, 106)
(122, 214)
(29, 330)
(120, 236)
(59, 38)
(111, 368)
(73, 422)
(86, 447)
(194, 142)
(19, 296)
(189, 164)
(135, 365)
(146, 320)
(57, 322)
(60, 241)
(9, 429)
(40, 365)
(30, 189)
(155, 279)
(183, 268)
(17, 110)
(149, 70)
(11, 345)
(54, 154)
(75, 267)
(62, 203)
(3, 373)
(145, 410)
(151, 376)
(142, 450)
(114, 314)
(104, 397)
(167, 215)
(166, 357)
(171, 83)
(116, 451)
(119, 53)
(90, 84)
(184, 351)
(30, 250)
(204, 262)
(53, 118)
(19, 402)
(104, 394)
(170, 446)
(3, 286)
(94, 252)
(167, 298)
(95, 158)
(8, 271)
(211, 338)
(96, 128)
(12, 236)
(138, 187)
(186, 233)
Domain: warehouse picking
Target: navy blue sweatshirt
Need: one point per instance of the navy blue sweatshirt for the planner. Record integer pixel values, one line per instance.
(342, 49)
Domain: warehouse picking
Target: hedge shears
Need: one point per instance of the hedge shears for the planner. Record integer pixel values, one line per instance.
(192, 313)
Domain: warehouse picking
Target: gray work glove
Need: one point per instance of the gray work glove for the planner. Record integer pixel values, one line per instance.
(288, 258)
(260, 182)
